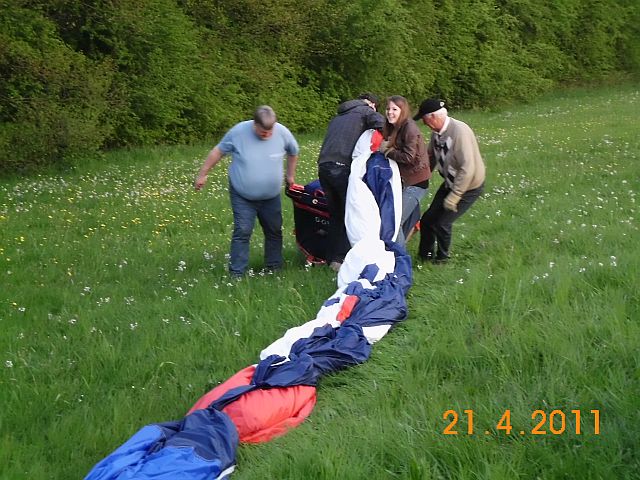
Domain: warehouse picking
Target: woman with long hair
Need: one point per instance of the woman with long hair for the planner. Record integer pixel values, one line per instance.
(405, 144)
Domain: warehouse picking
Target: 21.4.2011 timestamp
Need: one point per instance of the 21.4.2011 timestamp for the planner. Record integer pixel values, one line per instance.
(555, 422)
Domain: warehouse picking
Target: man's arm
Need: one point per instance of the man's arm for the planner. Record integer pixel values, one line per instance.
(463, 155)
(465, 150)
(211, 161)
(292, 162)
(374, 120)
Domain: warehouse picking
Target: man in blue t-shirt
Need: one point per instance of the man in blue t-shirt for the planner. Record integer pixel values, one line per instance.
(257, 148)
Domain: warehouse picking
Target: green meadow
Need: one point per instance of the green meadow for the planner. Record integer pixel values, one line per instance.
(520, 359)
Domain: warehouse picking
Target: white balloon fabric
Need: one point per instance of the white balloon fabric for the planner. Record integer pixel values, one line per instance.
(362, 215)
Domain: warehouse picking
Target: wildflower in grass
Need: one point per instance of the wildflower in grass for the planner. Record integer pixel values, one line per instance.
(182, 265)
(614, 262)
(8, 364)
(133, 326)
(73, 321)
(103, 301)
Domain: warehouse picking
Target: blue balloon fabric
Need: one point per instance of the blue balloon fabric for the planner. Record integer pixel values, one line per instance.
(203, 444)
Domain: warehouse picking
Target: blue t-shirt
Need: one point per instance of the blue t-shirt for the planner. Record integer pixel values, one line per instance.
(256, 170)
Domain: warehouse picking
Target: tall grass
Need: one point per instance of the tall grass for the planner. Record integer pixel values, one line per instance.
(116, 311)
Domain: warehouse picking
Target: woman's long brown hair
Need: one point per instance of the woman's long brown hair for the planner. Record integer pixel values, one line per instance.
(390, 131)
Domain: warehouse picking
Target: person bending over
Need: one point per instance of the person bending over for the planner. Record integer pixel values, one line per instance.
(257, 148)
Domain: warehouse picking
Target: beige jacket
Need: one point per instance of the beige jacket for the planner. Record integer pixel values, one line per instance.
(456, 155)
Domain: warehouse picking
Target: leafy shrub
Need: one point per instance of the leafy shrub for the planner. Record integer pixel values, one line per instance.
(53, 102)
(77, 77)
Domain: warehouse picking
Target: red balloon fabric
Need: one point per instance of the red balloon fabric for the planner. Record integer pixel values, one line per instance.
(261, 415)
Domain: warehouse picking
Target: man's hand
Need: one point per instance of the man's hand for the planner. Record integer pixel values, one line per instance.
(451, 202)
(211, 161)
(289, 181)
(199, 182)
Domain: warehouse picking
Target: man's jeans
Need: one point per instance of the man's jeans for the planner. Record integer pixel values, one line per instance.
(269, 213)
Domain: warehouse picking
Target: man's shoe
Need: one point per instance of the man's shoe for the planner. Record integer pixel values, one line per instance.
(440, 260)
(428, 257)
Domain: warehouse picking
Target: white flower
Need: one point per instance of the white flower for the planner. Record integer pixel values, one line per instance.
(8, 364)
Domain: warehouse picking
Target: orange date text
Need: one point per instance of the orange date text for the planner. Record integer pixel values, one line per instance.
(555, 422)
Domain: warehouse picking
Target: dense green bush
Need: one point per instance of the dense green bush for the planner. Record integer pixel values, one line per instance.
(53, 103)
(77, 76)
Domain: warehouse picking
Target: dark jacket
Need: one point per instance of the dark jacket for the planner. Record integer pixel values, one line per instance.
(410, 152)
(353, 118)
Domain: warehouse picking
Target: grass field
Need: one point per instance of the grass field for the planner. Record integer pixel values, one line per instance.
(116, 311)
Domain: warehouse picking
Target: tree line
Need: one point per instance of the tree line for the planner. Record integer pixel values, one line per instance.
(80, 77)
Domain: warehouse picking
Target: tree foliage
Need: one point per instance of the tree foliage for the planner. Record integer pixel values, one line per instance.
(77, 77)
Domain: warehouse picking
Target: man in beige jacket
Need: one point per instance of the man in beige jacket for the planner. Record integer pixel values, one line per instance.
(453, 150)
